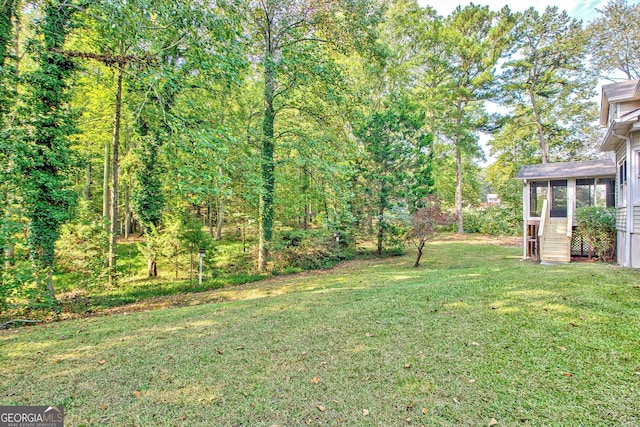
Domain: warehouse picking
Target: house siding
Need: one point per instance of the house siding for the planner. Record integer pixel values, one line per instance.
(636, 219)
(627, 107)
(621, 219)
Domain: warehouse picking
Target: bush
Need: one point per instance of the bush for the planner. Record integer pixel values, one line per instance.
(597, 226)
(494, 220)
(308, 249)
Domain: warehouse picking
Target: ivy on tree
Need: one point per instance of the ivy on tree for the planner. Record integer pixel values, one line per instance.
(45, 159)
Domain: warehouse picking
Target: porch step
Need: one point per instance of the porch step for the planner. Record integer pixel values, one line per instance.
(555, 245)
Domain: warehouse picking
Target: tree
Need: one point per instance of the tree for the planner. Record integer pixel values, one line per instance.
(545, 77)
(7, 97)
(45, 159)
(290, 38)
(459, 75)
(425, 222)
(614, 40)
(397, 150)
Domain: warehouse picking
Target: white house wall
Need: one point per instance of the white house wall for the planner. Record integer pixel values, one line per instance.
(620, 247)
(635, 251)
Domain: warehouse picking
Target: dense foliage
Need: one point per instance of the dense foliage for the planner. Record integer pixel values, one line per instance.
(272, 126)
(597, 226)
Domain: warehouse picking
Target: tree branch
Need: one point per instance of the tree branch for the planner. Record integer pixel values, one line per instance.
(109, 59)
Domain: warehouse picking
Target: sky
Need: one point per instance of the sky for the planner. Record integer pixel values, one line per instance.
(584, 10)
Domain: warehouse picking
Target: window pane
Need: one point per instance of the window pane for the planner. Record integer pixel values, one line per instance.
(601, 194)
(538, 194)
(559, 199)
(584, 195)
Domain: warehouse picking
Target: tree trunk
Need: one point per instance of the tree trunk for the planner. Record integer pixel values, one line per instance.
(127, 210)
(544, 149)
(50, 288)
(381, 207)
(420, 247)
(268, 165)
(459, 188)
(220, 218)
(304, 187)
(114, 191)
(152, 268)
(175, 262)
(87, 182)
(210, 218)
(191, 263)
(105, 182)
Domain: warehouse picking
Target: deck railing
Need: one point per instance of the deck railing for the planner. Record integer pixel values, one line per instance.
(543, 218)
(570, 215)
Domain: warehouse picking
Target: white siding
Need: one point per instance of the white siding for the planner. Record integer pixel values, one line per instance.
(621, 219)
(627, 107)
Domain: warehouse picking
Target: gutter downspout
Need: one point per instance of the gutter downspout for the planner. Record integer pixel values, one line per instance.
(629, 213)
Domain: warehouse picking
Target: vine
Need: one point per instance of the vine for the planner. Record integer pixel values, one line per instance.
(46, 159)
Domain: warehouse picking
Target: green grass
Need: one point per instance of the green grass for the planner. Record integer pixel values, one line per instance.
(472, 335)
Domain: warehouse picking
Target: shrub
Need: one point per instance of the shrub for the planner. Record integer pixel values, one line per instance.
(83, 245)
(597, 226)
(494, 220)
(308, 249)
(425, 223)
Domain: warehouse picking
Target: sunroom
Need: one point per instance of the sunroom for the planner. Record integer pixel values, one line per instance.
(551, 194)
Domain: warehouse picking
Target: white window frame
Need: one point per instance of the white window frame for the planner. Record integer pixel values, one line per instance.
(623, 181)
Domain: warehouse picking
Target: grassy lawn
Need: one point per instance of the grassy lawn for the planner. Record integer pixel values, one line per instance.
(473, 334)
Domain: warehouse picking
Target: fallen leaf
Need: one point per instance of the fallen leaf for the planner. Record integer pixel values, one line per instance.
(575, 325)
(219, 351)
(323, 363)
(455, 399)
(308, 422)
(137, 394)
(407, 365)
(365, 412)
(240, 347)
(567, 374)
(613, 293)
(182, 418)
(493, 422)
(321, 408)
(101, 362)
(304, 353)
(474, 343)
(315, 380)
(472, 381)
(562, 348)
(103, 407)
(583, 317)
(425, 411)
(408, 420)
(369, 335)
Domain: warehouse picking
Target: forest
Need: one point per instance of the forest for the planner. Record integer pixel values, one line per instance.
(275, 135)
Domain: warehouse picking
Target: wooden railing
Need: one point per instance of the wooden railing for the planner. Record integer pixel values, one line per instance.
(543, 218)
(570, 215)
